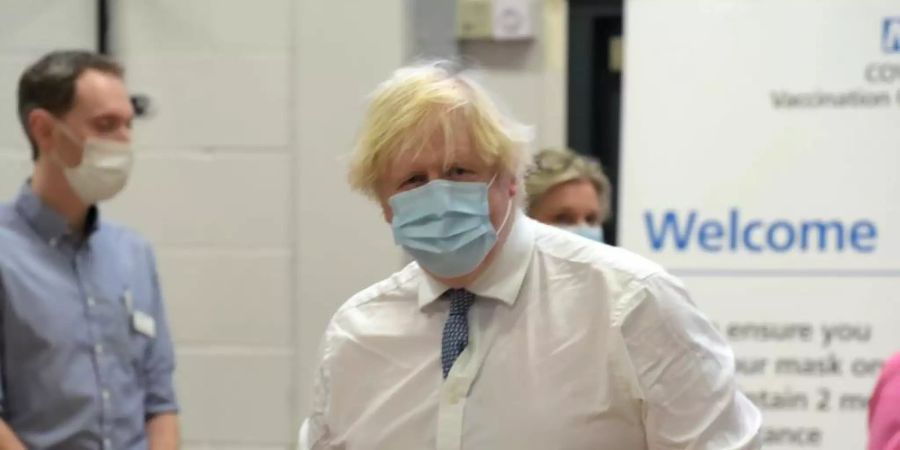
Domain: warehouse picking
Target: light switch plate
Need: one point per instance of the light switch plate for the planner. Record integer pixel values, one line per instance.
(474, 19)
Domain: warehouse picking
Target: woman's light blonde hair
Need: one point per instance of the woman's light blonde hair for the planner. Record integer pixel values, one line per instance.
(420, 100)
(553, 167)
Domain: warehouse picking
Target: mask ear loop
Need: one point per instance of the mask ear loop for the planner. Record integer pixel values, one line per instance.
(506, 217)
(491, 183)
(68, 132)
(71, 137)
(508, 207)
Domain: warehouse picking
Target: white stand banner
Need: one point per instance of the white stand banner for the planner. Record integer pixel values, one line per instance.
(761, 164)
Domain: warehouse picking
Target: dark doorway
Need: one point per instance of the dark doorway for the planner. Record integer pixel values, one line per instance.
(595, 88)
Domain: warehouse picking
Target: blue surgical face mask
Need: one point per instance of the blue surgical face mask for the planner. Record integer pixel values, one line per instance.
(592, 232)
(446, 225)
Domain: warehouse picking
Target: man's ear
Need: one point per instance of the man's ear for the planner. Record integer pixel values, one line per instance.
(386, 211)
(40, 128)
(513, 186)
(384, 201)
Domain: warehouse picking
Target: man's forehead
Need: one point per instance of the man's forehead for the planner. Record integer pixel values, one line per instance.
(435, 156)
(95, 89)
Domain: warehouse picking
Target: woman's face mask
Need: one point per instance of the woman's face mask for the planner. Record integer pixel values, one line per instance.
(592, 232)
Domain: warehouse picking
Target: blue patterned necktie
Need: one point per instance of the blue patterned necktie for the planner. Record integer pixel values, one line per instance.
(456, 329)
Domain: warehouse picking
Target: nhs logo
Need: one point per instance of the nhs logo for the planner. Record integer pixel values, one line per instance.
(890, 35)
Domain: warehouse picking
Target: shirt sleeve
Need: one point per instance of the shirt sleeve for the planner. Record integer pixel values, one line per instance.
(884, 409)
(317, 433)
(684, 371)
(159, 365)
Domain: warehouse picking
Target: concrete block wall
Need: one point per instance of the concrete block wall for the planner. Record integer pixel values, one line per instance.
(213, 191)
(530, 77)
(240, 179)
(23, 38)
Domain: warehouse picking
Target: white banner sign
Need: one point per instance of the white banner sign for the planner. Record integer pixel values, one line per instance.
(761, 164)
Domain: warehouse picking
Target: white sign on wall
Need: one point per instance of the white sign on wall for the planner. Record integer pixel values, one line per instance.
(761, 152)
(500, 20)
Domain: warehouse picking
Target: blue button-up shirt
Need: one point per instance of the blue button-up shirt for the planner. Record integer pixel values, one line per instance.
(85, 352)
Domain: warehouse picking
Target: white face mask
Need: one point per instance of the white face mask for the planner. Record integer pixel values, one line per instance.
(592, 232)
(104, 169)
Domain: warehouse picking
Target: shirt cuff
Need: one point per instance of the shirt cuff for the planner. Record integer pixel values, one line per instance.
(151, 412)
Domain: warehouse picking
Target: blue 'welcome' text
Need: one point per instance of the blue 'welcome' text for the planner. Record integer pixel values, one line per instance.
(682, 232)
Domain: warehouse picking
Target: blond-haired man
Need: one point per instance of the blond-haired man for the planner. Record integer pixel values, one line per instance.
(506, 333)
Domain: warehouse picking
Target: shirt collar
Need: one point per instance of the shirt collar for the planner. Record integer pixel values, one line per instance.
(50, 225)
(503, 278)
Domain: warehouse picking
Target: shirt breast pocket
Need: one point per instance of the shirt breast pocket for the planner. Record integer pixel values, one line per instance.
(140, 329)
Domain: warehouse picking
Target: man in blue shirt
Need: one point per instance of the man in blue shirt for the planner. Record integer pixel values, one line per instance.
(86, 360)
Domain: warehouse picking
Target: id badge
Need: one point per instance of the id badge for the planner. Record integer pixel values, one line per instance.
(143, 323)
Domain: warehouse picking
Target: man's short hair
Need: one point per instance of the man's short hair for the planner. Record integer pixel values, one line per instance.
(423, 99)
(49, 83)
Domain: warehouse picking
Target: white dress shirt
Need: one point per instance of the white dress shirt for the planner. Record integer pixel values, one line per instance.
(573, 345)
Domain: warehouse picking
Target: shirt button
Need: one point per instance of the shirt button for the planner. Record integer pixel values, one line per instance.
(105, 395)
(98, 349)
(460, 392)
(457, 391)
(91, 302)
(453, 396)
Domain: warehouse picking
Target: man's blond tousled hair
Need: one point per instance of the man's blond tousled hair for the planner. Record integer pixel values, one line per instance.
(418, 101)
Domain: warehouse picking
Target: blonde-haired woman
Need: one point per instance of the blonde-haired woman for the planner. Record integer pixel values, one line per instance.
(569, 191)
